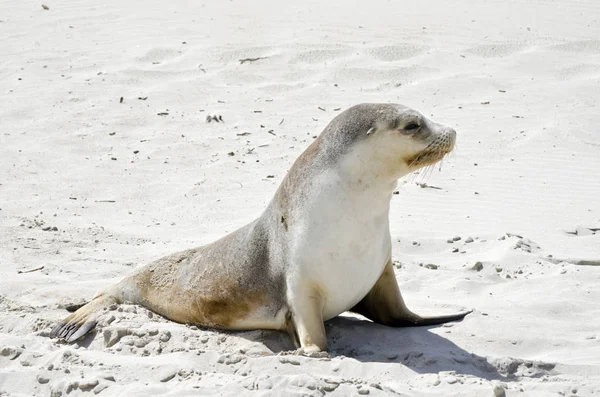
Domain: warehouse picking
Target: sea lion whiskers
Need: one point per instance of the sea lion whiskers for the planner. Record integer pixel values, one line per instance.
(431, 154)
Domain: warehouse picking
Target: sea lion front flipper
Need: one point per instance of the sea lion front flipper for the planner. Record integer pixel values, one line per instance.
(305, 324)
(384, 305)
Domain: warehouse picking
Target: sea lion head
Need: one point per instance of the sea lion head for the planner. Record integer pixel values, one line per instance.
(387, 141)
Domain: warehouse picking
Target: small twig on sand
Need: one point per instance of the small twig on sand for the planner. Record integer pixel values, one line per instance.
(31, 270)
(424, 185)
(243, 61)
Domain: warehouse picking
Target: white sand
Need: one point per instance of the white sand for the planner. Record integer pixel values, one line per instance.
(520, 82)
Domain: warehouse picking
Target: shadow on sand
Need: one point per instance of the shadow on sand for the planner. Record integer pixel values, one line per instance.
(416, 348)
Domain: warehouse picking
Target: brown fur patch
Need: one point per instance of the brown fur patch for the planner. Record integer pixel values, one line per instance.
(224, 307)
(216, 302)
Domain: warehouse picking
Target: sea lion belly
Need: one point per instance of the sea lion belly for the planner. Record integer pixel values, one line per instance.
(348, 278)
(344, 245)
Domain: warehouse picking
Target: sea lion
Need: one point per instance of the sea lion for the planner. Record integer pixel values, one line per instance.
(321, 247)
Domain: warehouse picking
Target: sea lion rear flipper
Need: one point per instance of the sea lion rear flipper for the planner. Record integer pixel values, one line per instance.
(83, 320)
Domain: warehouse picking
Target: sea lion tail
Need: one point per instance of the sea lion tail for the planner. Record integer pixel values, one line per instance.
(83, 320)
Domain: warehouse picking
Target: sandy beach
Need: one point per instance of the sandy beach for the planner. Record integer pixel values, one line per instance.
(107, 162)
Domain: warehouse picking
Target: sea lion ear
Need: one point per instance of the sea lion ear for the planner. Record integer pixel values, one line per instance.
(371, 130)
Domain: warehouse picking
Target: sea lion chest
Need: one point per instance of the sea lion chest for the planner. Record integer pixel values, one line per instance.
(343, 243)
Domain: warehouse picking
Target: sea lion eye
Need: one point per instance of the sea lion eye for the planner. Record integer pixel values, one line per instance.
(412, 127)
